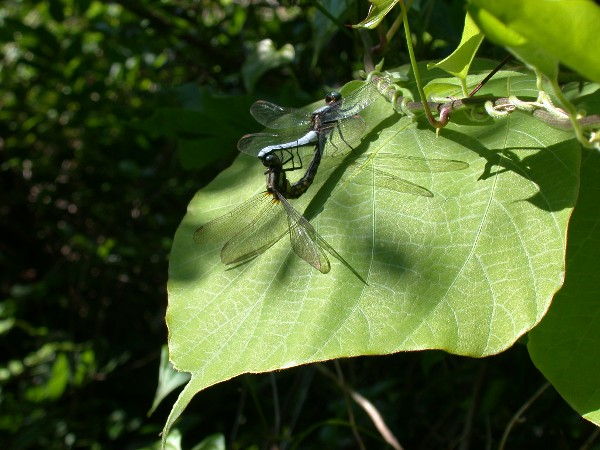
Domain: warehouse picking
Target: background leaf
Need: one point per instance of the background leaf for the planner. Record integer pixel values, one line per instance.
(327, 20)
(468, 271)
(377, 12)
(459, 61)
(566, 345)
(168, 379)
(263, 57)
(205, 125)
(542, 33)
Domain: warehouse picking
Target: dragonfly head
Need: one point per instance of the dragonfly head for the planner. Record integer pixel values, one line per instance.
(333, 97)
(271, 161)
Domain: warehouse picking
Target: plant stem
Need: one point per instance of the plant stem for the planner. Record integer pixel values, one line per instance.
(520, 412)
(435, 123)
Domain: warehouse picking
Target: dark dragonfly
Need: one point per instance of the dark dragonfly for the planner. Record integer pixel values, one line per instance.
(331, 128)
(257, 224)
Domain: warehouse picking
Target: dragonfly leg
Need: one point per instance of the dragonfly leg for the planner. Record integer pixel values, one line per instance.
(293, 156)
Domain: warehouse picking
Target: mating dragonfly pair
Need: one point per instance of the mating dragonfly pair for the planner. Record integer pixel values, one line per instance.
(260, 222)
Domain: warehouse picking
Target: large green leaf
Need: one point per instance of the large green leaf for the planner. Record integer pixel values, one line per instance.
(468, 271)
(566, 344)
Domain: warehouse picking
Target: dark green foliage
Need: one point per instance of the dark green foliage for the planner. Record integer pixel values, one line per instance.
(112, 115)
(89, 205)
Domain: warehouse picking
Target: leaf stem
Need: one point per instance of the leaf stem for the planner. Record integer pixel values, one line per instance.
(496, 107)
(571, 113)
(392, 31)
(520, 412)
(351, 419)
(435, 123)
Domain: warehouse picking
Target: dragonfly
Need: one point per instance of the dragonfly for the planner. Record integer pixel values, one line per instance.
(336, 125)
(257, 224)
(333, 128)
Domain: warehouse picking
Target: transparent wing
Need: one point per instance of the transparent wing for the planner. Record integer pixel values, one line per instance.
(343, 136)
(277, 117)
(324, 245)
(310, 245)
(416, 164)
(266, 228)
(274, 116)
(304, 238)
(352, 104)
(393, 183)
(392, 162)
(247, 230)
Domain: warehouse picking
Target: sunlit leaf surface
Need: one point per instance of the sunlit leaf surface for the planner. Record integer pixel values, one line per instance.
(468, 271)
(542, 33)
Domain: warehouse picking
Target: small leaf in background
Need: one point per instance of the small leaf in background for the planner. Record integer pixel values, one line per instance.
(56, 383)
(206, 126)
(459, 61)
(213, 442)
(169, 379)
(377, 11)
(326, 21)
(262, 57)
(172, 441)
(542, 33)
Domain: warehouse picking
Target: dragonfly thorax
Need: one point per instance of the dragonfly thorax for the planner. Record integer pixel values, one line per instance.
(277, 182)
(332, 97)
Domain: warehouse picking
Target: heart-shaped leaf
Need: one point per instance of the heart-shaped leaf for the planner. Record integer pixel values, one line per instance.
(468, 271)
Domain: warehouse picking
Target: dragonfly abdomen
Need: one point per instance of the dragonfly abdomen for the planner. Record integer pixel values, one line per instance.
(298, 188)
(309, 138)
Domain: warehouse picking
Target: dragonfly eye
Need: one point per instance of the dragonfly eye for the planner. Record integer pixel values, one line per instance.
(271, 160)
(333, 97)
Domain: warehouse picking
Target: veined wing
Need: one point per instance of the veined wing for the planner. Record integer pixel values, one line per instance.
(302, 237)
(393, 162)
(310, 245)
(247, 230)
(415, 163)
(343, 136)
(394, 183)
(352, 104)
(276, 117)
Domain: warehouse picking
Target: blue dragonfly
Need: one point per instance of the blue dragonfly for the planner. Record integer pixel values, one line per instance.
(332, 128)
